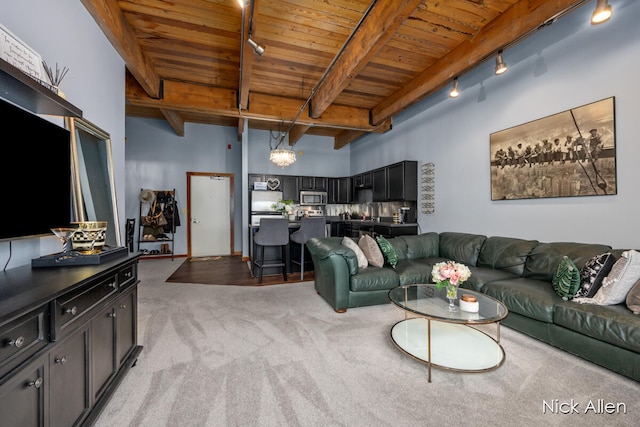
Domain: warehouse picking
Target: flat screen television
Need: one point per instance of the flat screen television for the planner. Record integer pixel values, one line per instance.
(35, 175)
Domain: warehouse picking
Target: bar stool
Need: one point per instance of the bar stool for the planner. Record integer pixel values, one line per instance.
(309, 227)
(273, 232)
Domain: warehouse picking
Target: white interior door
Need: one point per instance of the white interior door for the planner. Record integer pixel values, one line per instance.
(210, 215)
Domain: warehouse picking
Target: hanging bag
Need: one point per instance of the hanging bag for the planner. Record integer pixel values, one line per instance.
(155, 218)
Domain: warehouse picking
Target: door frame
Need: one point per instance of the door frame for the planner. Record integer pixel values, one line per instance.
(231, 206)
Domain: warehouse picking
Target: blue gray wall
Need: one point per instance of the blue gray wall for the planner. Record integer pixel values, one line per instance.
(566, 65)
(63, 32)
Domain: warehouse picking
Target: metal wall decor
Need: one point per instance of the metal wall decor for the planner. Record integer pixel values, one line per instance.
(428, 183)
(568, 154)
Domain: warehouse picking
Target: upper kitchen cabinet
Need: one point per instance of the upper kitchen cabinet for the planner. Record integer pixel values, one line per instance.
(363, 180)
(396, 182)
(340, 190)
(313, 183)
(289, 188)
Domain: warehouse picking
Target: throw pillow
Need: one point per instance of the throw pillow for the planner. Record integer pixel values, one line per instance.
(371, 251)
(362, 259)
(388, 252)
(615, 287)
(566, 280)
(592, 274)
(633, 298)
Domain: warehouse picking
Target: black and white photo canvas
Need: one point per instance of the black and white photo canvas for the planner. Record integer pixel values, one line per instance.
(568, 154)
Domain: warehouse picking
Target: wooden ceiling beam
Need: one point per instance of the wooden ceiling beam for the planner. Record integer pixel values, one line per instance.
(296, 132)
(175, 120)
(113, 24)
(380, 24)
(519, 20)
(193, 98)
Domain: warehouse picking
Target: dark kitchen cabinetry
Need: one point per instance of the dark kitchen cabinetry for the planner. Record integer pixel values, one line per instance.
(289, 188)
(396, 182)
(313, 183)
(340, 190)
(363, 180)
(379, 185)
(64, 355)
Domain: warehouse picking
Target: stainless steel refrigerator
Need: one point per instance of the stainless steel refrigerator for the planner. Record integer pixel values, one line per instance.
(261, 202)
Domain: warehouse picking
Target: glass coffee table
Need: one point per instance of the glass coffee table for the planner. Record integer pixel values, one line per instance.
(438, 337)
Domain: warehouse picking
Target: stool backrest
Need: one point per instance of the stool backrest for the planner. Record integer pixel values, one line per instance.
(309, 227)
(273, 232)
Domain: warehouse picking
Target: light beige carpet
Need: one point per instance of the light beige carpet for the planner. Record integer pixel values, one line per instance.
(280, 356)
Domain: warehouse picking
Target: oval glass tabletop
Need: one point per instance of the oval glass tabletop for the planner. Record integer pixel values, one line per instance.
(427, 301)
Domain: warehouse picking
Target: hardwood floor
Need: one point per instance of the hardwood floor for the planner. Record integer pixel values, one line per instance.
(227, 270)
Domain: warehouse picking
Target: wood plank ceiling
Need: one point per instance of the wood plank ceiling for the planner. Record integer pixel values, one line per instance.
(338, 68)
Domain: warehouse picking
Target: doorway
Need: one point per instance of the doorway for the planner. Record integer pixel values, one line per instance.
(210, 214)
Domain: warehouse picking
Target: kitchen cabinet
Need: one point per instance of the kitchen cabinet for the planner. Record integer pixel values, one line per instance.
(70, 335)
(313, 183)
(379, 184)
(396, 182)
(340, 190)
(289, 188)
(394, 230)
(363, 180)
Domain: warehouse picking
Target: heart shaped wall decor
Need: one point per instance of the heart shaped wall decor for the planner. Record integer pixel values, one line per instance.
(273, 183)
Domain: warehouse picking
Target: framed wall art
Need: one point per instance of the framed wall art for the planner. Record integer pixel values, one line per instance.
(568, 154)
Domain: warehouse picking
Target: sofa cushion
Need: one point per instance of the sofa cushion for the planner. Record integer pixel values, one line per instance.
(424, 245)
(400, 246)
(528, 297)
(461, 247)
(611, 324)
(415, 271)
(633, 298)
(566, 280)
(351, 244)
(505, 253)
(615, 287)
(544, 257)
(371, 251)
(373, 279)
(593, 272)
(389, 253)
(327, 247)
(481, 275)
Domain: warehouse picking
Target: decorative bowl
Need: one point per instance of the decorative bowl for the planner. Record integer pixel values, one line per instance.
(89, 237)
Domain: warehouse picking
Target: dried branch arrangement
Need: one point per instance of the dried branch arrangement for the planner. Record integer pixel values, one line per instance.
(56, 78)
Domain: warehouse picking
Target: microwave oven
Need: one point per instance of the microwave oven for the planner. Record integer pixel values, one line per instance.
(313, 198)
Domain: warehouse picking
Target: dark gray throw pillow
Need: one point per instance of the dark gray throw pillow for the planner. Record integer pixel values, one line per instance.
(591, 275)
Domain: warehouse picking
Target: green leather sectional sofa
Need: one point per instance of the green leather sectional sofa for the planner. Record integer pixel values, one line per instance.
(515, 271)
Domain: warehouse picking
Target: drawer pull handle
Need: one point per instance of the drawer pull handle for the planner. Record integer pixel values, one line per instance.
(123, 306)
(61, 360)
(17, 343)
(112, 285)
(37, 383)
(112, 314)
(127, 274)
(72, 311)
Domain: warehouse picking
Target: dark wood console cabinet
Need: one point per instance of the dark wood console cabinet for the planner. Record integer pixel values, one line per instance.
(68, 336)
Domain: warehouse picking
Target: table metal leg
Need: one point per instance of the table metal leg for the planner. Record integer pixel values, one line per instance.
(429, 346)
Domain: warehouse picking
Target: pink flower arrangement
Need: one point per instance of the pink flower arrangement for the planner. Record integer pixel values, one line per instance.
(449, 273)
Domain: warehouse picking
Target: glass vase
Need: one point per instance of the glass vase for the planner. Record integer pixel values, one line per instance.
(452, 295)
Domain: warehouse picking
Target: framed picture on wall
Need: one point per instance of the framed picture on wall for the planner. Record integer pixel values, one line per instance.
(568, 154)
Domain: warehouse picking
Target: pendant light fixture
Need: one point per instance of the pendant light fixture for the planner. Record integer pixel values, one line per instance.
(602, 13)
(281, 157)
(501, 67)
(454, 92)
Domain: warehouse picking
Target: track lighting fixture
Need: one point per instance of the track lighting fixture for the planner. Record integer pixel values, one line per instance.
(256, 47)
(501, 67)
(454, 92)
(602, 13)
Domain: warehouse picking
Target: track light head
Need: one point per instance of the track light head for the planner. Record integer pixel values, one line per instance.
(602, 13)
(242, 3)
(256, 47)
(454, 92)
(501, 67)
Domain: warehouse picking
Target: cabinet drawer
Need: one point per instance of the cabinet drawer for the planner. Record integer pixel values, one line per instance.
(127, 276)
(22, 337)
(73, 305)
